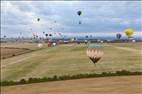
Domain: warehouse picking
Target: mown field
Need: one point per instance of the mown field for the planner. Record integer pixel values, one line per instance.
(69, 59)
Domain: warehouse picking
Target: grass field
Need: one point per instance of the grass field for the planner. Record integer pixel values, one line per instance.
(70, 59)
(103, 85)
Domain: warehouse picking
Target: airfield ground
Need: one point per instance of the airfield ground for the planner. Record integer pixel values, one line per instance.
(103, 85)
(69, 59)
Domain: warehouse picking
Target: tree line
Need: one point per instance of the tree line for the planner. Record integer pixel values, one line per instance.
(68, 77)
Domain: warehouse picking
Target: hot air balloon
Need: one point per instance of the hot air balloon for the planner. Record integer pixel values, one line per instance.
(4, 36)
(129, 32)
(86, 36)
(118, 36)
(60, 34)
(79, 13)
(94, 52)
(46, 35)
(91, 36)
(79, 22)
(38, 19)
(50, 35)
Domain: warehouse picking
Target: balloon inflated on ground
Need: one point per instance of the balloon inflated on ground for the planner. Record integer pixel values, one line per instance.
(40, 45)
(94, 52)
(133, 40)
(54, 44)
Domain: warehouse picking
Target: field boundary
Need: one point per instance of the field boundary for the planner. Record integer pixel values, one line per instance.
(69, 77)
(28, 51)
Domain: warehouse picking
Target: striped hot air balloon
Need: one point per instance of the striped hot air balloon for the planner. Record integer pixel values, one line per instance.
(94, 52)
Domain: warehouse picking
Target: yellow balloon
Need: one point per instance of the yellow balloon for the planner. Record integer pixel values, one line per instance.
(129, 32)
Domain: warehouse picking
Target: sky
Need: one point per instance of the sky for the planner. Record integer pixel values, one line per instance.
(99, 18)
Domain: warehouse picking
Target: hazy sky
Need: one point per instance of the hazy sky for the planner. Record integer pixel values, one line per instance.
(103, 18)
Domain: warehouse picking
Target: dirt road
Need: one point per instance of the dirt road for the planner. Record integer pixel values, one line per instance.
(104, 85)
(7, 52)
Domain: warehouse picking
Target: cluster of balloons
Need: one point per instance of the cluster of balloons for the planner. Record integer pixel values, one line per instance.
(35, 35)
(129, 33)
(79, 13)
(46, 34)
(94, 51)
(50, 34)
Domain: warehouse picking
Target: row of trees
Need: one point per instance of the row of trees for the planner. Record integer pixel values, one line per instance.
(68, 77)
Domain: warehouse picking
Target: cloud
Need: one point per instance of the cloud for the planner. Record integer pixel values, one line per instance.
(97, 16)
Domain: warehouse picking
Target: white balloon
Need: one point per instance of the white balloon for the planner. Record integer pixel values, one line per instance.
(133, 40)
(54, 44)
(40, 45)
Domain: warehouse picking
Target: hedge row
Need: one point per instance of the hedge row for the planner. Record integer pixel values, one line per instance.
(68, 77)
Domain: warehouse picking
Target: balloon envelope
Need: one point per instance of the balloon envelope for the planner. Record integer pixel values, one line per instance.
(79, 22)
(94, 52)
(40, 45)
(50, 35)
(129, 32)
(38, 19)
(46, 35)
(118, 36)
(79, 13)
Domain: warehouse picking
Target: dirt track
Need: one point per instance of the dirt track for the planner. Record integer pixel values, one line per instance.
(7, 52)
(106, 85)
